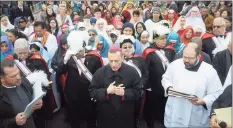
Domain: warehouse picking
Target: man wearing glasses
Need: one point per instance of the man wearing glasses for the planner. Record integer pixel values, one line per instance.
(219, 40)
(192, 77)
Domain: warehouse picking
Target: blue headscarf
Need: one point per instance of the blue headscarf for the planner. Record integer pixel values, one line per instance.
(10, 47)
(104, 52)
(179, 46)
(44, 53)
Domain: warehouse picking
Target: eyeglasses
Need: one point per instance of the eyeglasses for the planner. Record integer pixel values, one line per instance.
(129, 47)
(189, 58)
(216, 26)
(91, 34)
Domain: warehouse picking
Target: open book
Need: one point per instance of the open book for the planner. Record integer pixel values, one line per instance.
(174, 93)
(38, 94)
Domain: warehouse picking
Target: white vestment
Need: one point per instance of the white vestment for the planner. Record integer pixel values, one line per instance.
(204, 83)
(51, 44)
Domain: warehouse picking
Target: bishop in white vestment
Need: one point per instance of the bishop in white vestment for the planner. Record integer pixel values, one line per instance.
(191, 76)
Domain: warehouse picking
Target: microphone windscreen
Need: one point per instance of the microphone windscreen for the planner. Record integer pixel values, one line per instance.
(222, 124)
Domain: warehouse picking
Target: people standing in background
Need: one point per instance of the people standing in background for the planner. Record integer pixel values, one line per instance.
(20, 10)
(5, 24)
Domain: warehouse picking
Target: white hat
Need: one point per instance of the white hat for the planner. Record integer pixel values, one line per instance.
(81, 25)
(75, 40)
(160, 30)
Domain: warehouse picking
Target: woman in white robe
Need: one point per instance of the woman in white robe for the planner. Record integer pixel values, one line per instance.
(193, 18)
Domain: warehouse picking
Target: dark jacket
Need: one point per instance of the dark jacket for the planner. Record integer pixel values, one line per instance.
(76, 87)
(16, 12)
(7, 114)
(222, 63)
(115, 111)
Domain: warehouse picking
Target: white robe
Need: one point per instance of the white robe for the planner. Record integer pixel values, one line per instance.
(204, 83)
(51, 44)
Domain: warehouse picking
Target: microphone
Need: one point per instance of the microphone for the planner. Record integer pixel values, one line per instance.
(222, 124)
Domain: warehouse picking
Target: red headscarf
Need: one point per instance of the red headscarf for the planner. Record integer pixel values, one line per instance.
(175, 16)
(183, 38)
(126, 15)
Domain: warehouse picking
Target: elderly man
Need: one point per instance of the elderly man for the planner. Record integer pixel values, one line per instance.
(115, 87)
(15, 94)
(217, 42)
(196, 78)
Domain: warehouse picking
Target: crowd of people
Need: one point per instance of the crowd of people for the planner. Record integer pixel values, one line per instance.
(114, 64)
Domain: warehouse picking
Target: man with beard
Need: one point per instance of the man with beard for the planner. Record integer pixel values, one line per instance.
(79, 68)
(199, 81)
(157, 56)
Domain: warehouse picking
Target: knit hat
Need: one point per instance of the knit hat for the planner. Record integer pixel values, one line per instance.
(92, 20)
(156, 9)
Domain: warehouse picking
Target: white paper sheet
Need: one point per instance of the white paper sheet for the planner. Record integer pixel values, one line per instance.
(38, 94)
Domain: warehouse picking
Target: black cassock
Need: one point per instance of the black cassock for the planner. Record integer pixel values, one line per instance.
(155, 100)
(115, 111)
(14, 101)
(35, 62)
(80, 106)
(141, 65)
(222, 63)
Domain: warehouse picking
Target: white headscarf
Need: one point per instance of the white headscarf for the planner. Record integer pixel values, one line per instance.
(177, 25)
(9, 25)
(195, 21)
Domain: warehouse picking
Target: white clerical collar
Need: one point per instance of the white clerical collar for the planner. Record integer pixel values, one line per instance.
(8, 86)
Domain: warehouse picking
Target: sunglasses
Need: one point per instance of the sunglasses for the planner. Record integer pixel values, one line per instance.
(216, 26)
(130, 47)
(22, 21)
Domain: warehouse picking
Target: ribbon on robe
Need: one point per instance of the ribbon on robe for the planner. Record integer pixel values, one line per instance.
(219, 45)
(23, 68)
(130, 63)
(162, 57)
(80, 65)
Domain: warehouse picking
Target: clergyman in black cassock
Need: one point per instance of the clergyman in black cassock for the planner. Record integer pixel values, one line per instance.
(114, 110)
